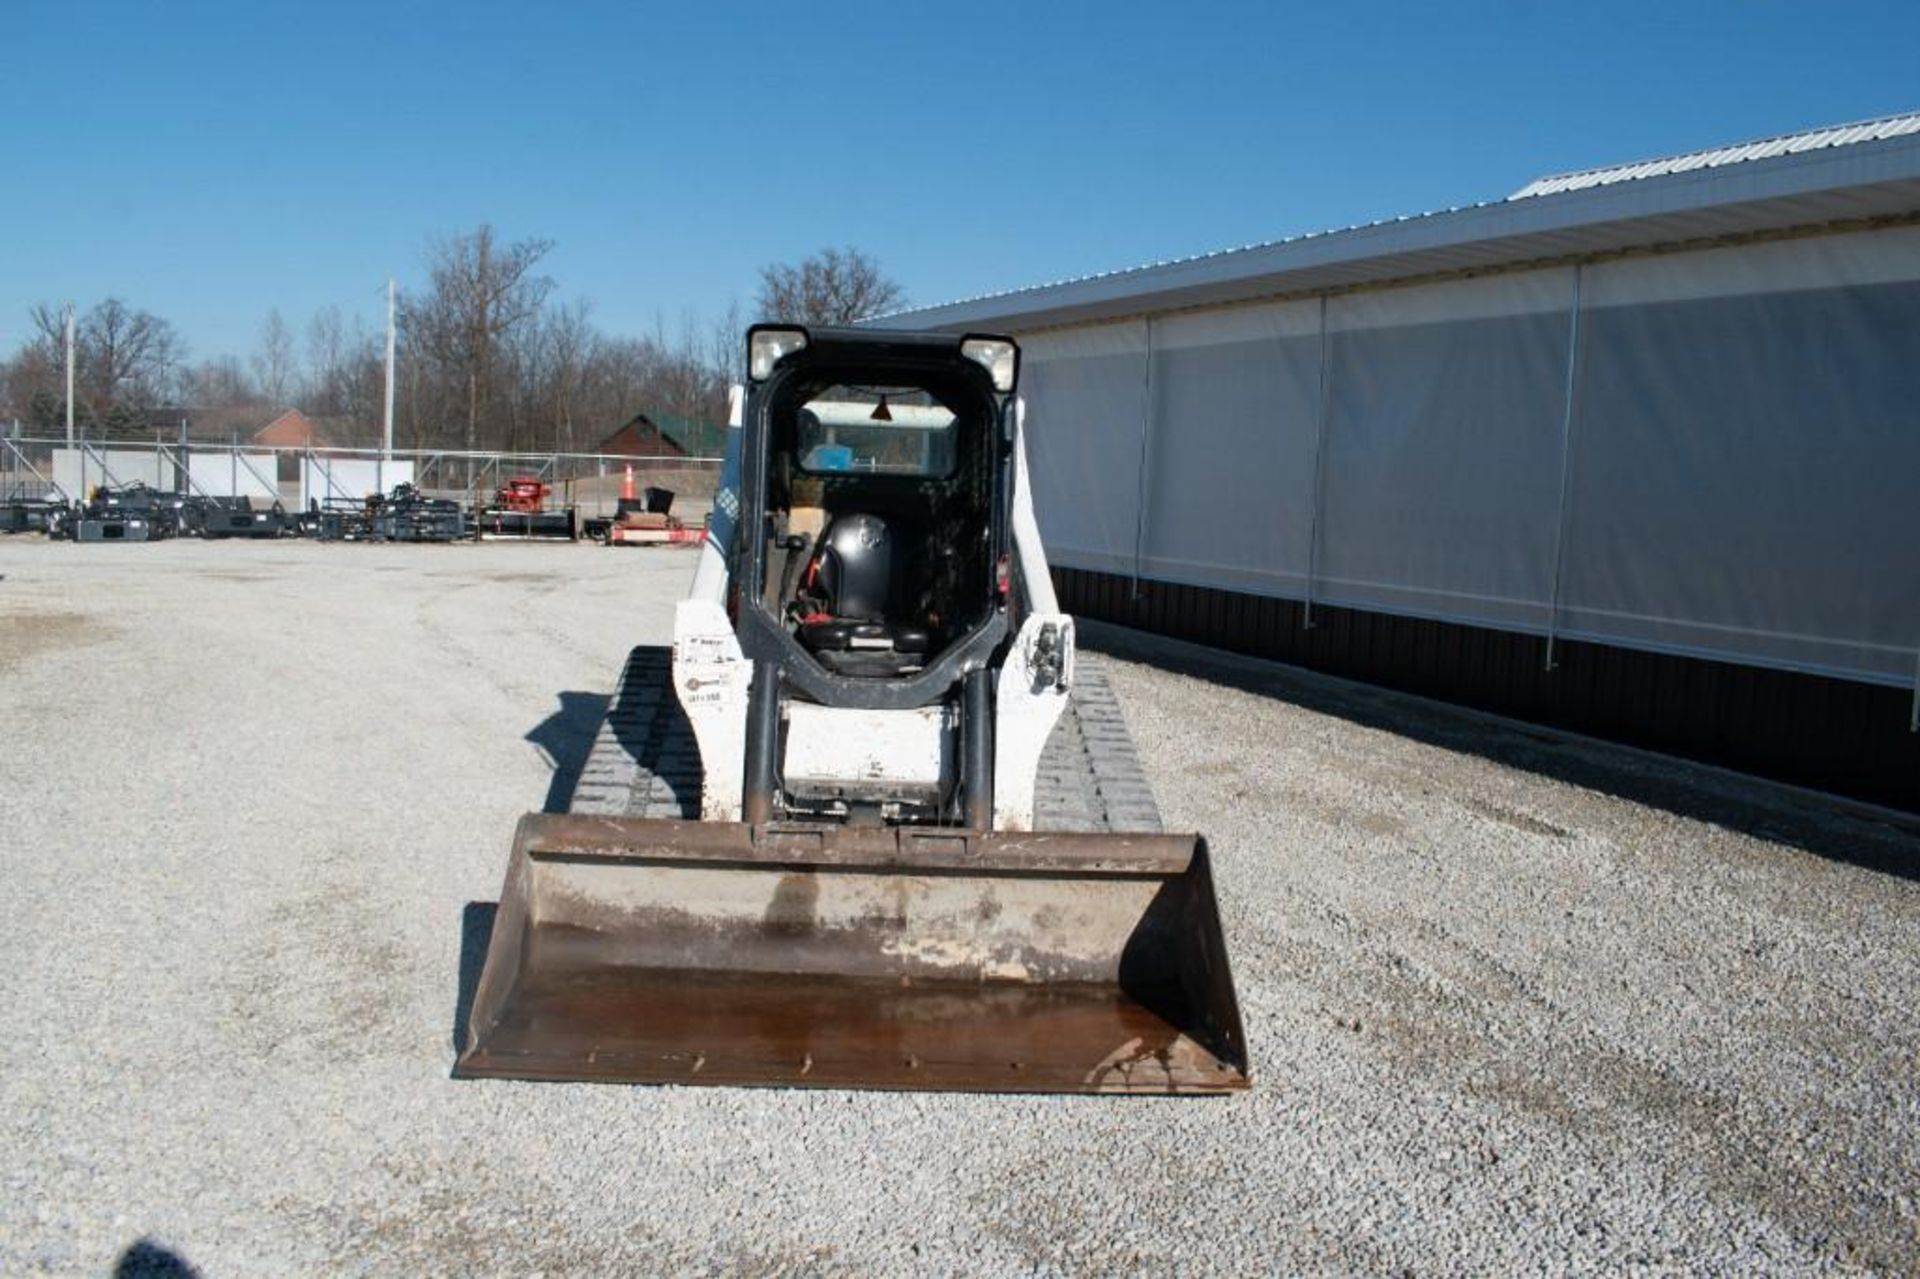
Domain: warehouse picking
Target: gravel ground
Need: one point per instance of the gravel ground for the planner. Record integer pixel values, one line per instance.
(1515, 1002)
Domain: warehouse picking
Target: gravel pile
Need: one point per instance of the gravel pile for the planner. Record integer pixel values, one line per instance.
(1514, 1001)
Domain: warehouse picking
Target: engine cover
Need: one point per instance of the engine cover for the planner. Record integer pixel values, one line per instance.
(869, 755)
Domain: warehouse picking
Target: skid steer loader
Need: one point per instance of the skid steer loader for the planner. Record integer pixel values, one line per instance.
(874, 822)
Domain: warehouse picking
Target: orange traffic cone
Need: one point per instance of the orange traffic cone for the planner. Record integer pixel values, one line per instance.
(626, 485)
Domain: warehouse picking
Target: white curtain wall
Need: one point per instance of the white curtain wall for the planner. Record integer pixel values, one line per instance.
(1714, 452)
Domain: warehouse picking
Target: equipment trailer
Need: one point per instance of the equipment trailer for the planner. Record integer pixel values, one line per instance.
(225, 517)
(649, 520)
(519, 512)
(133, 513)
(30, 515)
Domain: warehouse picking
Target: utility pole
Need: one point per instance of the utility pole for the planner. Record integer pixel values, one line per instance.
(386, 431)
(69, 375)
(387, 441)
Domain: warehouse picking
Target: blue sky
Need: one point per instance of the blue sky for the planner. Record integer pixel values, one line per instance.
(209, 162)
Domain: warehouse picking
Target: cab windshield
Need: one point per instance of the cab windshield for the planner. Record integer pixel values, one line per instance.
(894, 430)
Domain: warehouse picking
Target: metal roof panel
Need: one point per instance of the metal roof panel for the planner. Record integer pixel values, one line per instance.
(1838, 135)
(1795, 181)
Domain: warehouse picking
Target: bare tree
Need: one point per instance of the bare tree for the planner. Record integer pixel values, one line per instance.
(362, 388)
(32, 387)
(834, 286)
(49, 333)
(220, 383)
(569, 342)
(344, 373)
(135, 354)
(479, 292)
(274, 365)
(727, 346)
(486, 356)
(326, 359)
(126, 360)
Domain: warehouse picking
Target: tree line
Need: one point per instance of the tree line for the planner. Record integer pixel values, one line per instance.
(486, 357)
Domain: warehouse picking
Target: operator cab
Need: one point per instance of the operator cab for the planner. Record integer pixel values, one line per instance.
(883, 483)
(875, 530)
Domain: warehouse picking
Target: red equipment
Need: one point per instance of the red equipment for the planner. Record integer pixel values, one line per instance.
(523, 494)
(520, 511)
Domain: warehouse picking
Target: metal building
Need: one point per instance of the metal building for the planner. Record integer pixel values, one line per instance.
(1634, 450)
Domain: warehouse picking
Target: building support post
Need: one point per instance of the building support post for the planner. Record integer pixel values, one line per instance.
(1321, 412)
(1141, 491)
(1913, 720)
(1567, 420)
(70, 381)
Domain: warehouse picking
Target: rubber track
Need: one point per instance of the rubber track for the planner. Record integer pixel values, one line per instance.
(1090, 776)
(645, 761)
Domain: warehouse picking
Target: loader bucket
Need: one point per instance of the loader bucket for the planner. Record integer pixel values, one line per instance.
(646, 951)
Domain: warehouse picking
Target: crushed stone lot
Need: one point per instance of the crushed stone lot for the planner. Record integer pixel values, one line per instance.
(1516, 1002)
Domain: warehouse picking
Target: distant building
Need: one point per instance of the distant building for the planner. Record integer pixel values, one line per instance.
(291, 430)
(225, 425)
(663, 435)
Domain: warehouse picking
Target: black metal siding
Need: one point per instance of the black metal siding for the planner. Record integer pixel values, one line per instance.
(1836, 735)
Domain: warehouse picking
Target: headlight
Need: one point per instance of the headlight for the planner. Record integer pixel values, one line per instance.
(998, 356)
(767, 347)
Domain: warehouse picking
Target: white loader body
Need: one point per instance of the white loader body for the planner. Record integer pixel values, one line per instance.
(889, 749)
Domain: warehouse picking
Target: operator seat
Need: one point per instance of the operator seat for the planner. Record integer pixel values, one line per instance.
(851, 581)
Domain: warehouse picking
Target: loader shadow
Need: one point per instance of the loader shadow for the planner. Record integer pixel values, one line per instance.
(476, 933)
(566, 739)
(145, 1259)
(1751, 806)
